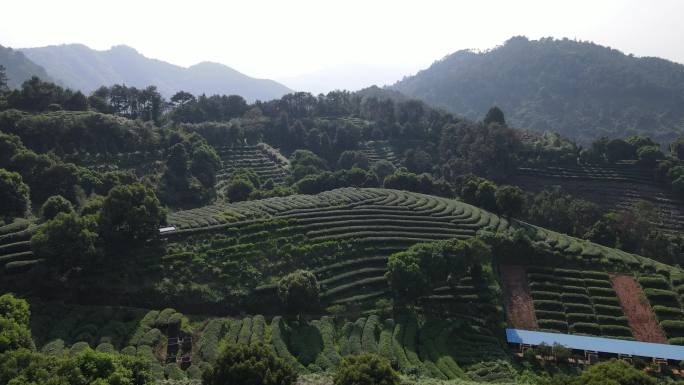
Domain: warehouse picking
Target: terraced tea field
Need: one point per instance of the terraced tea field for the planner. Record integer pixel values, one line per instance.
(263, 160)
(373, 222)
(447, 348)
(381, 150)
(15, 247)
(576, 302)
(615, 187)
(345, 237)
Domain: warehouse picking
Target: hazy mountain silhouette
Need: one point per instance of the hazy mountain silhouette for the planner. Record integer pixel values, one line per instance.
(86, 69)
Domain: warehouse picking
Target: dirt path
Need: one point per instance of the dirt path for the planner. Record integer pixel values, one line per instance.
(639, 314)
(517, 299)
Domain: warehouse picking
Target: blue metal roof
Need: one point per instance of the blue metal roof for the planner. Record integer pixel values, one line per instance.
(599, 344)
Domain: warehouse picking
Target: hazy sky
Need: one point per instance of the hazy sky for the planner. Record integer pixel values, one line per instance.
(280, 38)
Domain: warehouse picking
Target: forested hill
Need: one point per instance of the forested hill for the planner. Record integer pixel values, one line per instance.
(85, 69)
(580, 89)
(18, 68)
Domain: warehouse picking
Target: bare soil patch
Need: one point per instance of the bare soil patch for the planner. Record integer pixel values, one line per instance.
(517, 299)
(639, 314)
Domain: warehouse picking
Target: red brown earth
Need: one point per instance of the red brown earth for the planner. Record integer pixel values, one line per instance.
(517, 299)
(639, 314)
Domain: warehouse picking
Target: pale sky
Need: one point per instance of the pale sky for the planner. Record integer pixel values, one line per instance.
(280, 39)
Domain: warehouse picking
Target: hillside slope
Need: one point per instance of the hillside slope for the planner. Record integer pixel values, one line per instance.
(80, 67)
(580, 89)
(19, 68)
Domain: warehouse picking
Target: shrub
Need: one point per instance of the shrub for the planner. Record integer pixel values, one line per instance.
(245, 331)
(575, 298)
(209, 341)
(661, 296)
(239, 364)
(14, 194)
(369, 341)
(548, 305)
(654, 282)
(365, 369)
(616, 330)
(299, 291)
(578, 308)
(615, 372)
(672, 327)
(608, 310)
(585, 327)
(258, 329)
(545, 295)
(54, 205)
(580, 317)
(589, 282)
(666, 312)
(606, 301)
(545, 314)
(553, 324)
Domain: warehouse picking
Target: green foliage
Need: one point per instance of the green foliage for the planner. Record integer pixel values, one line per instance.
(365, 369)
(238, 189)
(350, 159)
(204, 164)
(558, 211)
(614, 372)
(509, 200)
(494, 115)
(131, 215)
(316, 183)
(54, 205)
(416, 271)
(523, 75)
(677, 148)
(248, 365)
(649, 155)
(67, 241)
(14, 194)
(299, 291)
(14, 335)
(14, 309)
(383, 168)
(85, 367)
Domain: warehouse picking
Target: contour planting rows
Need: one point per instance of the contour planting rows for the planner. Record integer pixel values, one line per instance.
(665, 298)
(576, 302)
(614, 172)
(262, 160)
(615, 188)
(378, 222)
(438, 348)
(15, 247)
(350, 212)
(376, 151)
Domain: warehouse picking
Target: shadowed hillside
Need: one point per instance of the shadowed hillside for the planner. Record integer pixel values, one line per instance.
(580, 89)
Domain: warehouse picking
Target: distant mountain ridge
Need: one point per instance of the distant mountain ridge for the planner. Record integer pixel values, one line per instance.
(80, 67)
(580, 89)
(19, 68)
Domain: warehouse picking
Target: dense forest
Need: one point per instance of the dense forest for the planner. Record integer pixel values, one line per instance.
(581, 90)
(347, 238)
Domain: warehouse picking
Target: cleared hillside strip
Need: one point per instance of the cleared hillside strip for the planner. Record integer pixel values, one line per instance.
(517, 300)
(639, 314)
